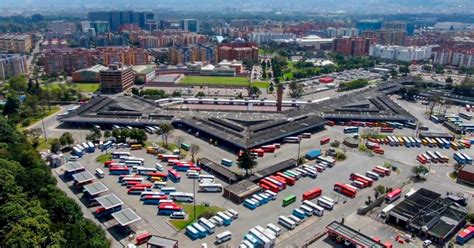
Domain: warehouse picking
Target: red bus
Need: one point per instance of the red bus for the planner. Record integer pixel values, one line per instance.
(345, 190)
(279, 179)
(378, 172)
(421, 158)
(166, 157)
(330, 123)
(130, 184)
(378, 151)
(282, 179)
(259, 152)
(355, 176)
(387, 171)
(146, 185)
(386, 129)
(142, 238)
(280, 185)
(270, 185)
(137, 190)
(324, 140)
(110, 163)
(269, 148)
(311, 194)
(289, 180)
(393, 195)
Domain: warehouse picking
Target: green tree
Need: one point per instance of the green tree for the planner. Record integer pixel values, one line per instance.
(449, 80)
(247, 161)
(138, 135)
(55, 145)
(200, 94)
(254, 91)
(165, 130)
(439, 69)
(66, 139)
(393, 73)
(296, 90)
(107, 134)
(379, 190)
(404, 70)
(12, 105)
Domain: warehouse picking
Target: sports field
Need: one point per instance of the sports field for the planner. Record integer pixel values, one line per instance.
(219, 81)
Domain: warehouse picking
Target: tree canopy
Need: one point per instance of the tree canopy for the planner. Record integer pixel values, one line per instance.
(246, 161)
(33, 211)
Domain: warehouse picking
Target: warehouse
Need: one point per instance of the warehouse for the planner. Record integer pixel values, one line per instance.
(238, 192)
(426, 213)
(466, 175)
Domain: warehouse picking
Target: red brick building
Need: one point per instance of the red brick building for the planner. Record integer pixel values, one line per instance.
(237, 51)
(466, 175)
(354, 46)
(67, 60)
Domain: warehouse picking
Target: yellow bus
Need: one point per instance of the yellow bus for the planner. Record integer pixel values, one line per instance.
(136, 147)
(425, 142)
(454, 145)
(400, 139)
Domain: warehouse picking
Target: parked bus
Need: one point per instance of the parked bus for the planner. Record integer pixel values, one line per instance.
(386, 130)
(274, 228)
(174, 176)
(417, 142)
(272, 195)
(269, 235)
(210, 227)
(307, 210)
(406, 141)
(359, 184)
(355, 176)
(292, 139)
(465, 116)
(91, 147)
(317, 210)
(125, 180)
(191, 232)
(454, 146)
(351, 129)
(251, 204)
(393, 195)
(168, 190)
(227, 220)
(116, 155)
(119, 170)
(168, 208)
(289, 200)
(387, 209)
(345, 190)
(299, 213)
(135, 190)
(324, 140)
(432, 157)
(286, 222)
(280, 185)
(325, 204)
(223, 237)
(311, 194)
(77, 152)
(166, 157)
(136, 147)
(434, 119)
(159, 185)
(289, 180)
(263, 240)
(181, 196)
(422, 159)
(153, 199)
(210, 187)
(371, 175)
(269, 186)
(328, 160)
(141, 170)
(202, 231)
(386, 170)
(226, 162)
(468, 159)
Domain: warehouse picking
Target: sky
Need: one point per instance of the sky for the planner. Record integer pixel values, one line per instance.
(282, 5)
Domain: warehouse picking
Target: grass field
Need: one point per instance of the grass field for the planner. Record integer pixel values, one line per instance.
(103, 157)
(87, 87)
(215, 81)
(201, 211)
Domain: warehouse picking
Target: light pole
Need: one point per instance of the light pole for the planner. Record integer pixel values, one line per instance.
(299, 148)
(194, 202)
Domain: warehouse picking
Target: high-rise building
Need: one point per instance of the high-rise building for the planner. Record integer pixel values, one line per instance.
(116, 78)
(189, 54)
(62, 27)
(368, 25)
(237, 51)
(408, 27)
(118, 18)
(461, 57)
(190, 25)
(12, 65)
(401, 53)
(340, 32)
(16, 43)
(353, 46)
(387, 37)
(57, 61)
(266, 37)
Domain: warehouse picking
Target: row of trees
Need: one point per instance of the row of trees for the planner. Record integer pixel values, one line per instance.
(33, 211)
(355, 84)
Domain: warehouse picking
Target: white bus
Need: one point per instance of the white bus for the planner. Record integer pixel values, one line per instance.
(307, 210)
(262, 238)
(141, 170)
(294, 139)
(207, 225)
(372, 175)
(325, 204)
(295, 219)
(272, 195)
(128, 158)
(387, 209)
(286, 222)
(270, 236)
(223, 237)
(159, 185)
(144, 194)
(274, 228)
(150, 130)
(311, 172)
(182, 196)
(210, 187)
(432, 156)
(317, 210)
(358, 184)
(328, 199)
(207, 177)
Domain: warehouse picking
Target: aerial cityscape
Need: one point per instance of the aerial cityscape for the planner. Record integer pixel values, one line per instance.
(206, 123)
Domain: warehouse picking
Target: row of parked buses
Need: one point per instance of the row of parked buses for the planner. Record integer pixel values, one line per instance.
(80, 149)
(360, 181)
(462, 158)
(204, 227)
(394, 125)
(433, 157)
(416, 142)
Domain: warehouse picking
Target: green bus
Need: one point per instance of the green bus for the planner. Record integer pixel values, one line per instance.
(185, 146)
(288, 200)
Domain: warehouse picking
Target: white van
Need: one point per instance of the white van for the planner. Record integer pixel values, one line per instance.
(99, 173)
(178, 215)
(217, 220)
(234, 213)
(159, 167)
(295, 219)
(223, 237)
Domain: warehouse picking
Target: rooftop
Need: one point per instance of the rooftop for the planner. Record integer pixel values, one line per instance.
(126, 217)
(109, 201)
(83, 177)
(73, 166)
(95, 188)
(353, 235)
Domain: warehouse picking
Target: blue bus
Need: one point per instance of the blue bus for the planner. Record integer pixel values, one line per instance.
(395, 125)
(459, 158)
(252, 239)
(434, 119)
(299, 213)
(201, 230)
(106, 145)
(351, 129)
(258, 199)
(410, 125)
(468, 159)
(192, 232)
(226, 162)
(250, 204)
(77, 152)
(225, 217)
(264, 197)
